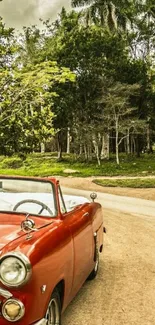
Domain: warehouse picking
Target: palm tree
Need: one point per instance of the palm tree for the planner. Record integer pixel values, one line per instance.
(112, 14)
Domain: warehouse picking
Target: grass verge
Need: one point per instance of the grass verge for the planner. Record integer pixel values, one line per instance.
(38, 164)
(132, 183)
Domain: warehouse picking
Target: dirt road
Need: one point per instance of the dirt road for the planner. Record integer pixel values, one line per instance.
(122, 203)
(87, 184)
(123, 293)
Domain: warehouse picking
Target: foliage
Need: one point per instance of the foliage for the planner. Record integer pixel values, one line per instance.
(26, 101)
(106, 13)
(90, 73)
(13, 162)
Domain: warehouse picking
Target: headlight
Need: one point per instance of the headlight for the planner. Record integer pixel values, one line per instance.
(15, 269)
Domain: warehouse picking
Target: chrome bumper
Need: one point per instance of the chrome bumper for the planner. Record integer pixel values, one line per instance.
(5, 293)
(41, 322)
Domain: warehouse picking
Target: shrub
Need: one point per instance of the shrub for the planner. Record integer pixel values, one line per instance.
(2, 158)
(14, 162)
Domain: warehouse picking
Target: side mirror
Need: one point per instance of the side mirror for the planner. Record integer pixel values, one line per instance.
(93, 196)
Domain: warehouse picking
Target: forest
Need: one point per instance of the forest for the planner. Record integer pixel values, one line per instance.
(83, 84)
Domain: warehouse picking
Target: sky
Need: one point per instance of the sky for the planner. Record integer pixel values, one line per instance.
(18, 13)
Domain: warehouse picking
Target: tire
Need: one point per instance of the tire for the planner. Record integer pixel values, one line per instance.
(53, 314)
(94, 272)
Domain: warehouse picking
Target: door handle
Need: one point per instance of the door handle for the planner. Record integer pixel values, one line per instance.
(86, 214)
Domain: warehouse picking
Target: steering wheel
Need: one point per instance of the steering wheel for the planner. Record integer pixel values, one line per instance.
(43, 205)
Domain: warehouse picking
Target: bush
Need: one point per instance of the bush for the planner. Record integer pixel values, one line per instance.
(2, 158)
(14, 162)
(22, 155)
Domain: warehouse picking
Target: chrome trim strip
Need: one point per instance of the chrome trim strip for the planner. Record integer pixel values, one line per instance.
(6, 294)
(85, 215)
(42, 322)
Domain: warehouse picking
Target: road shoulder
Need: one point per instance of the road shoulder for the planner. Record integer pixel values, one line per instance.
(87, 184)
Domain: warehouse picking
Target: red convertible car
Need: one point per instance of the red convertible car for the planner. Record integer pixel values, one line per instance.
(49, 246)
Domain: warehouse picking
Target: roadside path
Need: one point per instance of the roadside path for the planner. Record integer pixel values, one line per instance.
(87, 184)
(120, 203)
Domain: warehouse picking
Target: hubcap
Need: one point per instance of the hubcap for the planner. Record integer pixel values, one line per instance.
(52, 315)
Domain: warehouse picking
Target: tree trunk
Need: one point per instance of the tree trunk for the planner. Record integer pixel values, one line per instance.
(117, 145)
(68, 140)
(42, 147)
(134, 145)
(96, 150)
(131, 145)
(105, 146)
(117, 154)
(148, 138)
(90, 152)
(59, 146)
(85, 152)
(128, 142)
(81, 149)
(137, 146)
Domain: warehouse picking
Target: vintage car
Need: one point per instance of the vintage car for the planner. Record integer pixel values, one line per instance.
(49, 246)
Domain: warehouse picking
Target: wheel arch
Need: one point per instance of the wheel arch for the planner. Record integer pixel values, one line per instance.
(61, 289)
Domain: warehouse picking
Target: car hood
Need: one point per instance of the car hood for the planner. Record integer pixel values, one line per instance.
(10, 227)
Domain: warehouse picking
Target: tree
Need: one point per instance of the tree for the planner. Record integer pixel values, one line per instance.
(88, 52)
(117, 107)
(106, 13)
(117, 44)
(7, 45)
(26, 102)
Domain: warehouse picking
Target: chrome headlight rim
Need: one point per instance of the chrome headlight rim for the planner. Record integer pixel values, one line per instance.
(13, 301)
(26, 263)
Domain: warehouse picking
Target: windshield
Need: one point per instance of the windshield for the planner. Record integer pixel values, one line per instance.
(27, 196)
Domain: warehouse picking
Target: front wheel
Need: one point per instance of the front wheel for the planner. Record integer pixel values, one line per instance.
(53, 314)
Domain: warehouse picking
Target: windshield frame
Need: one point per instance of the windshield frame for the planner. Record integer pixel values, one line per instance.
(37, 180)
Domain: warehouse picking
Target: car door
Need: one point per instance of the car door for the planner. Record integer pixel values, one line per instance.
(81, 229)
(79, 223)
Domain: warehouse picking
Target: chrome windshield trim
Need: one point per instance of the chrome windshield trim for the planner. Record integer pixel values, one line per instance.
(6, 294)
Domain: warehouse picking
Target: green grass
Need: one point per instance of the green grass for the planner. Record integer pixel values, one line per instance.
(133, 183)
(47, 165)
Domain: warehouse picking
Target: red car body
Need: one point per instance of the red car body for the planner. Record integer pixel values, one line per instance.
(61, 252)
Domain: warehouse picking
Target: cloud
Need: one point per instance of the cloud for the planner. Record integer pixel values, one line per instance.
(18, 13)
